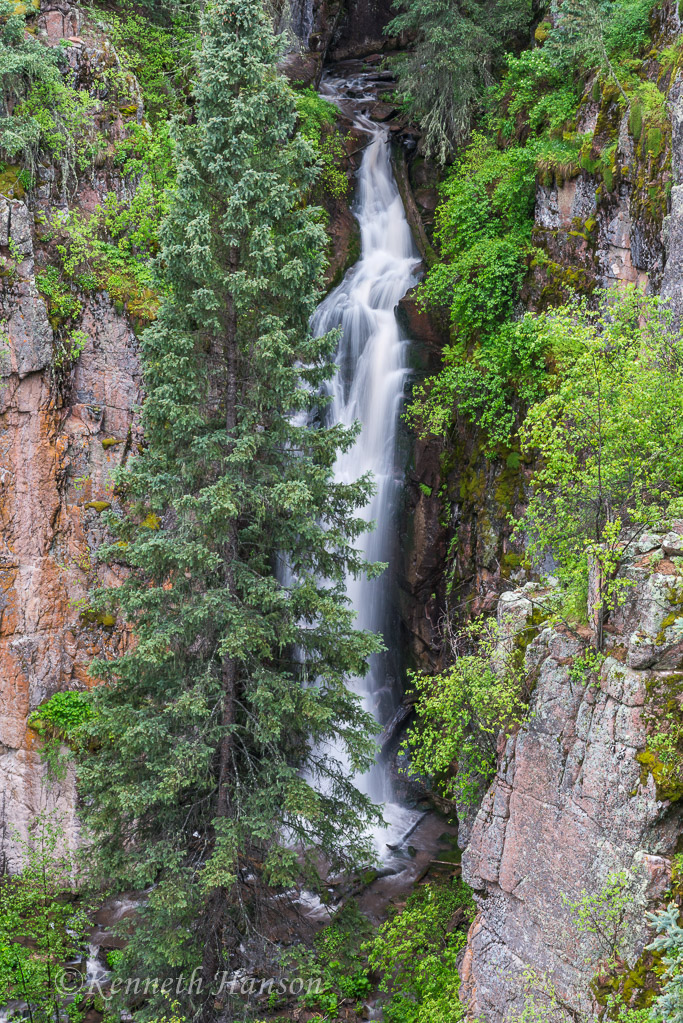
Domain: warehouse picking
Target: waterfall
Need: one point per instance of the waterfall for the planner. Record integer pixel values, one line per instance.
(369, 388)
(301, 14)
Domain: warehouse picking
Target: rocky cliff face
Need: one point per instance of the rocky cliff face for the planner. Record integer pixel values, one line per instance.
(578, 794)
(61, 435)
(580, 791)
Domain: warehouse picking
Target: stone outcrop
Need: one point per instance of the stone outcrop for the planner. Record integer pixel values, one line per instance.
(61, 435)
(575, 798)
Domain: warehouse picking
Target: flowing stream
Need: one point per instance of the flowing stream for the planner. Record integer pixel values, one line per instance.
(369, 388)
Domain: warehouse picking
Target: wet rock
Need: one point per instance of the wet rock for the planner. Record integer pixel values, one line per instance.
(421, 326)
(382, 112)
(302, 68)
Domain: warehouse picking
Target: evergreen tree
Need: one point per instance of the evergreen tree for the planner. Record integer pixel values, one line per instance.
(214, 776)
(457, 49)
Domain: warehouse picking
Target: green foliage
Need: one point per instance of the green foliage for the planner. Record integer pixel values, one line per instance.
(42, 928)
(586, 667)
(317, 123)
(461, 712)
(213, 775)
(593, 34)
(47, 113)
(64, 120)
(63, 306)
(669, 940)
(57, 722)
(483, 227)
(70, 349)
(534, 94)
(496, 366)
(604, 915)
(485, 219)
(541, 1001)
(335, 965)
(110, 249)
(415, 954)
(23, 64)
(457, 50)
(608, 436)
(507, 369)
(156, 42)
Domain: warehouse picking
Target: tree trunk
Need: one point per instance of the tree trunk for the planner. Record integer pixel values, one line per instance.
(215, 916)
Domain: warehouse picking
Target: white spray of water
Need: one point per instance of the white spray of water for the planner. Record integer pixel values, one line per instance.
(369, 388)
(301, 14)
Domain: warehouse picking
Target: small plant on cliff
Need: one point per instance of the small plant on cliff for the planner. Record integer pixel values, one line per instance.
(462, 711)
(609, 438)
(57, 722)
(604, 915)
(215, 776)
(41, 927)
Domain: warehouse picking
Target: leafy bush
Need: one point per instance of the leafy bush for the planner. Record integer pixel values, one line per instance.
(63, 305)
(603, 914)
(461, 712)
(317, 123)
(57, 722)
(496, 366)
(23, 64)
(609, 437)
(47, 113)
(416, 954)
(335, 968)
(42, 928)
(507, 371)
(157, 43)
(534, 94)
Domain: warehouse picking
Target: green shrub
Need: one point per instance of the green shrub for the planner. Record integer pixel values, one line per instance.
(57, 722)
(63, 305)
(462, 711)
(317, 123)
(608, 439)
(335, 968)
(42, 927)
(415, 954)
(157, 43)
(509, 367)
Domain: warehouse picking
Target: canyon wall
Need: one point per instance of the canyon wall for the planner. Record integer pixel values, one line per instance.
(578, 796)
(62, 433)
(577, 793)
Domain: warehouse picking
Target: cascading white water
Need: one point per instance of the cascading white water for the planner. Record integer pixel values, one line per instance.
(369, 388)
(301, 15)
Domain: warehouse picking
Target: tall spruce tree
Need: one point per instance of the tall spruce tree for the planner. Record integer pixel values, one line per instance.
(457, 49)
(212, 778)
